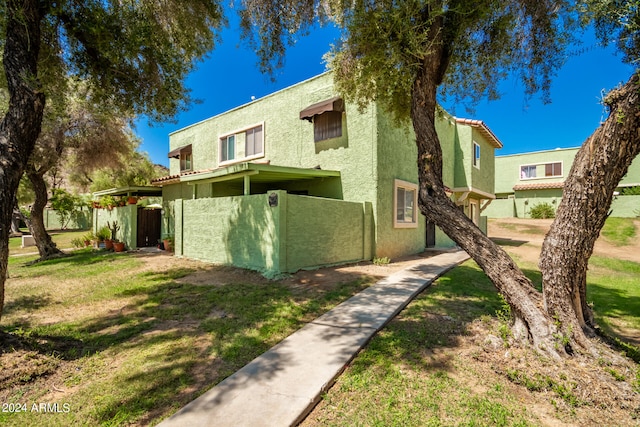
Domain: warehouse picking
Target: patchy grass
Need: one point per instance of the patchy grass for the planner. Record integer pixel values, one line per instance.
(448, 360)
(61, 238)
(116, 342)
(618, 231)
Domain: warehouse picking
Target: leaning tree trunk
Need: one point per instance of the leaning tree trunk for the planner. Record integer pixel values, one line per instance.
(531, 321)
(46, 247)
(600, 164)
(20, 126)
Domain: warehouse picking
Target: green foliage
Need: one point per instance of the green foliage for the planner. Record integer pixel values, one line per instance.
(65, 205)
(381, 261)
(103, 233)
(630, 191)
(542, 211)
(615, 21)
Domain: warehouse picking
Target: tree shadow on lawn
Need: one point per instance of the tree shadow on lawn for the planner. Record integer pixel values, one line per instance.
(184, 338)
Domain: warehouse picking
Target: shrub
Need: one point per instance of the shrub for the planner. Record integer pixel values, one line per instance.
(630, 191)
(542, 211)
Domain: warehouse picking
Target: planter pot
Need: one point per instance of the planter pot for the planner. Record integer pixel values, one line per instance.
(132, 200)
(118, 246)
(167, 245)
(87, 242)
(108, 244)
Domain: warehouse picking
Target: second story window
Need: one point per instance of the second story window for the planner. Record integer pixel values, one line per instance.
(528, 172)
(253, 142)
(327, 125)
(241, 145)
(476, 155)
(326, 117)
(186, 159)
(553, 169)
(227, 148)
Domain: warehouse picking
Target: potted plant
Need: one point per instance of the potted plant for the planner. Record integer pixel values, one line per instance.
(88, 238)
(118, 246)
(168, 243)
(108, 202)
(102, 235)
(113, 228)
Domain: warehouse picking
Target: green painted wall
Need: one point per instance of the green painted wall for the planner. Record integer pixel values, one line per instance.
(80, 220)
(396, 159)
(247, 232)
(509, 167)
(127, 219)
(240, 231)
(626, 206)
(324, 231)
(289, 141)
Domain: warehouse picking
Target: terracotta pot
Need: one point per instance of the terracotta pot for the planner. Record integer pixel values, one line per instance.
(132, 200)
(118, 246)
(167, 245)
(108, 244)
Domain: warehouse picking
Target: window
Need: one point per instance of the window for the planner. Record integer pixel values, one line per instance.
(227, 148)
(405, 204)
(242, 145)
(253, 142)
(186, 160)
(327, 125)
(476, 155)
(528, 172)
(553, 169)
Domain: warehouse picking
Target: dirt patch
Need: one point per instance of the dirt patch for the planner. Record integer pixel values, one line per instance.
(524, 238)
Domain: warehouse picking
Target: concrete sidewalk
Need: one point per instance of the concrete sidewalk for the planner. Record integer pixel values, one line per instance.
(281, 386)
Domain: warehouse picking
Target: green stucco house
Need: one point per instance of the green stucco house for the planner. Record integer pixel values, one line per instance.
(300, 179)
(526, 180)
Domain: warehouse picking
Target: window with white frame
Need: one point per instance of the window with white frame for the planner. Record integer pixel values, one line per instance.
(242, 145)
(227, 148)
(253, 142)
(476, 154)
(528, 171)
(551, 170)
(405, 203)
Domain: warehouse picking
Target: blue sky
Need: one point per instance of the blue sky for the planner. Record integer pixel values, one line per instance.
(229, 77)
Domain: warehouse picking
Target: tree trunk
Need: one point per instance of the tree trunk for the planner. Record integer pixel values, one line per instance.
(20, 126)
(531, 320)
(46, 247)
(600, 164)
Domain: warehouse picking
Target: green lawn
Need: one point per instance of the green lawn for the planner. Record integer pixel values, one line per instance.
(129, 345)
(417, 371)
(61, 238)
(619, 231)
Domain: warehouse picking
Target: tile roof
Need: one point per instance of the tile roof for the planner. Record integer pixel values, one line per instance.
(484, 130)
(538, 186)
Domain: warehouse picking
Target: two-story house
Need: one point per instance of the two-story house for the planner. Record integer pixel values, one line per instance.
(528, 179)
(300, 179)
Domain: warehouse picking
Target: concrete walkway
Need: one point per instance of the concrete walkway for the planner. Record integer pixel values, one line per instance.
(281, 386)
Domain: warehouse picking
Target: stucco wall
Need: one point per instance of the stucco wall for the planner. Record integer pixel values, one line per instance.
(245, 231)
(127, 219)
(80, 220)
(289, 141)
(626, 206)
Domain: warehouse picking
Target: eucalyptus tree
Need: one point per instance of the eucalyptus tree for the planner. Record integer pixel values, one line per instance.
(600, 164)
(94, 135)
(403, 55)
(134, 54)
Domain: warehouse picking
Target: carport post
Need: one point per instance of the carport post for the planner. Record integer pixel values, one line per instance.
(247, 185)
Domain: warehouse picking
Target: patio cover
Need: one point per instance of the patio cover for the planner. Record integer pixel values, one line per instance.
(253, 172)
(130, 191)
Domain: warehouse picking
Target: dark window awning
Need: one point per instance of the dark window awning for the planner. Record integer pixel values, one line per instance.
(175, 154)
(333, 104)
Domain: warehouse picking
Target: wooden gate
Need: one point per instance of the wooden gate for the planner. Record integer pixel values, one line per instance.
(149, 221)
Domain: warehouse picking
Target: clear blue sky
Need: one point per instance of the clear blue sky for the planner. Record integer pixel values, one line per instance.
(229, 77)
